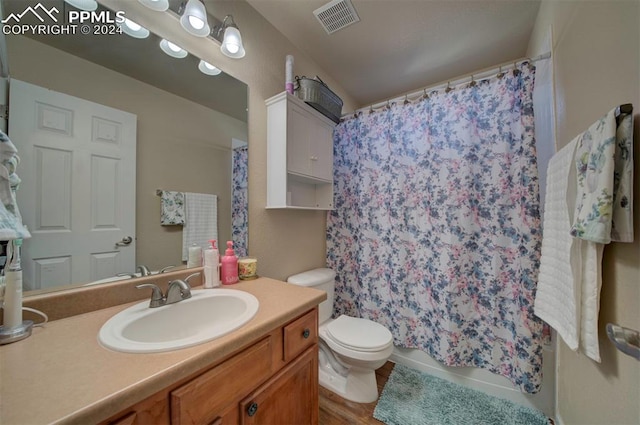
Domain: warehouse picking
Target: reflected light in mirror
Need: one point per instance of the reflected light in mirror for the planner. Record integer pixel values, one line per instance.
(88, 5)
(158, 5)
(133, 29)
(173, 49)
(207, 68)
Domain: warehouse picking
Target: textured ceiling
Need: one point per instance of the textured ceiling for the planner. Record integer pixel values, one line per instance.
(402, 45)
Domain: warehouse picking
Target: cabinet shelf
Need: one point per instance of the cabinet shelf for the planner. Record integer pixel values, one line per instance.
(299, 155)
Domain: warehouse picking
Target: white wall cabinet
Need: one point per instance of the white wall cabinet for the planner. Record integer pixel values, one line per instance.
(299, 155)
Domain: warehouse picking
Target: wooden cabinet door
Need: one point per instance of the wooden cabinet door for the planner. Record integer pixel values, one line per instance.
(290, 397)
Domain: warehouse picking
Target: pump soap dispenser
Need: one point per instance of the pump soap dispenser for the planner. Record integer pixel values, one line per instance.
(229, 268)
(211, 266)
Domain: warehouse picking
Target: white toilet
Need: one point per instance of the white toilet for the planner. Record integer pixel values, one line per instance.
(351, 349)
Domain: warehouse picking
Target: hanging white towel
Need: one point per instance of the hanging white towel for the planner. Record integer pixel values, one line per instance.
(201, 221)
(558, 295)
(599, 189)
(604, 167)
(172, 209)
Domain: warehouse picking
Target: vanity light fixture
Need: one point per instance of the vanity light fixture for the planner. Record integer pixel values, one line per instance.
(88, 5)
(172, 49)
(207, 68)
(194, 19)
(228, 34)
(133, 29)
(158, 5)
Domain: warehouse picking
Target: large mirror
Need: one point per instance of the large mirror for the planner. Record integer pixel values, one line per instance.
(189, 134)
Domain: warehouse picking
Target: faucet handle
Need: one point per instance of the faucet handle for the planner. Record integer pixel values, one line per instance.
(178, 290)
(157, 299)
(164, 269)
(186, 279)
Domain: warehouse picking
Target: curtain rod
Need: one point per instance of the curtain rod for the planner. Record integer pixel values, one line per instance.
(475, 76)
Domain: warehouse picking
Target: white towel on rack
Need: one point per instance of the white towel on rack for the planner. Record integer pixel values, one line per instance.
(558, 295)
(594, 172)
(201, 221)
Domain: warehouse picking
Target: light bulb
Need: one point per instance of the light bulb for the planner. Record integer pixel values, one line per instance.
(207, 68)
(194, 19)
(134, 29)
(172, 49)
(232, 43)
(196, 22)
(132, 25)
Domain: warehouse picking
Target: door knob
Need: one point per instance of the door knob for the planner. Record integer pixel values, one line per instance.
(125, 241)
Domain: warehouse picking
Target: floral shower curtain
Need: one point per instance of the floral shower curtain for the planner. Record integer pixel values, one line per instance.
(436, 230)
(240, 201)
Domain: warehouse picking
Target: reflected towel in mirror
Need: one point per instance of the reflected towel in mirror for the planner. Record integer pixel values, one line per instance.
(172, 209)
(201, 221)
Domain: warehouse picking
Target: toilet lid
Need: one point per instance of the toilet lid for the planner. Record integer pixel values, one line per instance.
(359, 334)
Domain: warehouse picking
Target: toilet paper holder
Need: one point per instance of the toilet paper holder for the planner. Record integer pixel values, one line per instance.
(625, 339)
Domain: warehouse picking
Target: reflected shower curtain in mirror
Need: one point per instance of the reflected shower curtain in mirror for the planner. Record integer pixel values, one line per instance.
(240, 201)
(436, 230)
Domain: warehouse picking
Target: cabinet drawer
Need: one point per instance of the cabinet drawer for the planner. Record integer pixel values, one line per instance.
(300, 334)
(203, 399)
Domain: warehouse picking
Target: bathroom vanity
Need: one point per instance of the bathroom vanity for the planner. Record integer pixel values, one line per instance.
(265, 372)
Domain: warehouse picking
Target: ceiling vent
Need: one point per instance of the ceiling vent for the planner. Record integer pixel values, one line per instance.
(336, 15)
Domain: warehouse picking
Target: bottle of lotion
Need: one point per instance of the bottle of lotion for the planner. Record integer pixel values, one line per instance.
(229, 268)
(211, 266)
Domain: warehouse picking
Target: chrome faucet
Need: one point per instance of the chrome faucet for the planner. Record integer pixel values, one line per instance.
(178, 290)
(143, 270)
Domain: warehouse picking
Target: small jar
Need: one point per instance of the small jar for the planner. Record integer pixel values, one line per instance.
(247, 268)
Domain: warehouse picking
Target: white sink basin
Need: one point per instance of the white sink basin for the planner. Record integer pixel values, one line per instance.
(207, 315)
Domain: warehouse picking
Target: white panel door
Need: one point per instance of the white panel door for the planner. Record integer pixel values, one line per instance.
(77, 195)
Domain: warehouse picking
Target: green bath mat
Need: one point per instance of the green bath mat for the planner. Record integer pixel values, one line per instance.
(411, 397)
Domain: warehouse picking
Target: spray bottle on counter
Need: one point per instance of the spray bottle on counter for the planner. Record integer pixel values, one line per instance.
(211, 266)
(229, 267)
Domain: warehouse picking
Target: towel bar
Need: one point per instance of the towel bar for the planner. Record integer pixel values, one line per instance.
(626, 108)
(625, 339)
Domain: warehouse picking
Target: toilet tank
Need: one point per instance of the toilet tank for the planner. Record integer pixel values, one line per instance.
(323, 279)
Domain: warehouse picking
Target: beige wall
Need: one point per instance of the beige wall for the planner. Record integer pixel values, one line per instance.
(284, 241)
(597, 66)
(176, 140)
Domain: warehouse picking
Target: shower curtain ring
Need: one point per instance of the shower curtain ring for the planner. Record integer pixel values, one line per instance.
(500, 74)
(406, 99)
(448, 89)
(516, 71)
(473, 82)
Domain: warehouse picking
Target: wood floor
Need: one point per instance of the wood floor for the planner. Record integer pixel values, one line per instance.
(335, 410)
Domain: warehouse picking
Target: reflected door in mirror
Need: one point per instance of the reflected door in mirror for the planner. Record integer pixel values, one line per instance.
(77, 194)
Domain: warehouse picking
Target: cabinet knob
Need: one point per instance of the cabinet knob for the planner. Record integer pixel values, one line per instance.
(252, 409)
(306, 333)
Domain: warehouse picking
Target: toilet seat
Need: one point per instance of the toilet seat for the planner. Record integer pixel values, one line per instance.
(359, 334)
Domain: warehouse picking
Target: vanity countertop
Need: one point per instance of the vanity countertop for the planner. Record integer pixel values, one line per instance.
(61, 374)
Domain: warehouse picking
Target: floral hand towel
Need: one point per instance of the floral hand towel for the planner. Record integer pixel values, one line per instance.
(172, 208)
(604, 165)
